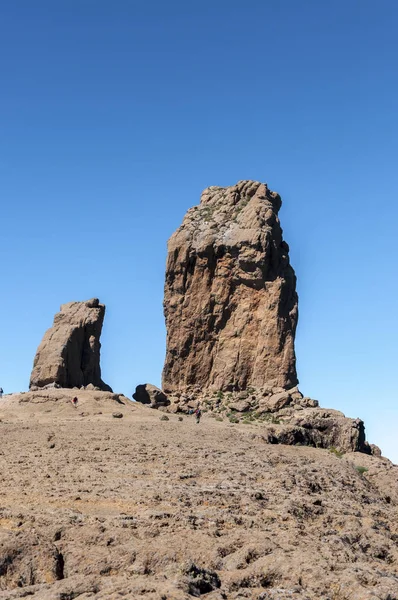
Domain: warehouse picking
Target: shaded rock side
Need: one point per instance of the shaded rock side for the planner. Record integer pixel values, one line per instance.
(230, 300)
(146, 393)
(69, 354)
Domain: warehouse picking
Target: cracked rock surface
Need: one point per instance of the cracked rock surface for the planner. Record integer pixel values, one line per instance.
(69, 354)
(230, 298)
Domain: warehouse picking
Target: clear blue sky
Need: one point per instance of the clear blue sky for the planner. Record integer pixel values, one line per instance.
(116, 114)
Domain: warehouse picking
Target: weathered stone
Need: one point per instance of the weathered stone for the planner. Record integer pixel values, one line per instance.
(375, 450)
(117, 415)
(332, 429)
(276, 401)
(295, 394)
(199, 581)
(240, 406)
(69, 354)
(309, 402)
(230, 295)
(147, 393)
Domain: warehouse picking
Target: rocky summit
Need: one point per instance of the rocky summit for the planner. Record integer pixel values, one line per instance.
(230, 295)
(69, 354)
(231, 311)
(260, 495)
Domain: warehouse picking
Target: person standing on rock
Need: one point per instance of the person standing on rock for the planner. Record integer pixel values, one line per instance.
(1, 392)
(198, 414)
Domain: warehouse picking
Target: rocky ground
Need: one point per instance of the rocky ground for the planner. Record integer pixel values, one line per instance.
(100, 506)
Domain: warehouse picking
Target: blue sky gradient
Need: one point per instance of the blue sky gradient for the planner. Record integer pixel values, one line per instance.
(114, 116)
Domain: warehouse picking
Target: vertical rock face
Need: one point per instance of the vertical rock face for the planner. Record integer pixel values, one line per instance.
(69, 354)
(230, 295)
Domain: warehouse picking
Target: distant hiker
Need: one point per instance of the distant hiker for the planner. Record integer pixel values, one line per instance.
(1, 392)
(198, 414)
(74, 401)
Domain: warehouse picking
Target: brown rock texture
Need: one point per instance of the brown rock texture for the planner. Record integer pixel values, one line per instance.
(285, 416)
(97, 507)
(69, 354)
(230, 294)
(146, 393)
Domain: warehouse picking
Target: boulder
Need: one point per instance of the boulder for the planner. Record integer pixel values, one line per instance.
(147, 393)
(240, 405)
(230, 298)
(69, 354)
(308, 402)
(331, 429)
(275, 402)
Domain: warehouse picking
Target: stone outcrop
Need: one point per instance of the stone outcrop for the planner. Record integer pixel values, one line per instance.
(69, 354)
(230, 295)
(285, 417)
(146, 393)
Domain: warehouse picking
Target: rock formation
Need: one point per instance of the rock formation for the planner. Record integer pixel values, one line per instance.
(69, 354)
(230, 295)
(231, 313)
(147, 393)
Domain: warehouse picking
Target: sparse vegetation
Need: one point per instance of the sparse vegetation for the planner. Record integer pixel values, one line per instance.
(336, 452)
(361, 470)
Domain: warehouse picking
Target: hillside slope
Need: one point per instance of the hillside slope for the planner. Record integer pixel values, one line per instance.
(93, 506)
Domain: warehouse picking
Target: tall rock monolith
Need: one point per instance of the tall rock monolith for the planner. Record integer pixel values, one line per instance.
(69, 354)
(230, 298)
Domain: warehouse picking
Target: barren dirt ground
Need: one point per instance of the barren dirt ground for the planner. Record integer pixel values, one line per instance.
(93, 506)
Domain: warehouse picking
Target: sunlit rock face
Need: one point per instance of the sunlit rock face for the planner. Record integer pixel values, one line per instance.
(230, 298)
(69, 354)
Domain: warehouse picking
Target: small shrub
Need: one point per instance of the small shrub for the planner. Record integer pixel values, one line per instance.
(219, 419)
(336, 452)
(361, 470)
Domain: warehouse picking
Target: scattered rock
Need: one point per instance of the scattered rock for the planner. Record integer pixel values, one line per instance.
(164, 418)
(117, 415)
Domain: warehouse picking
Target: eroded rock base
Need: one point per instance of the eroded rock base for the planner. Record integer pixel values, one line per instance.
(286, 417)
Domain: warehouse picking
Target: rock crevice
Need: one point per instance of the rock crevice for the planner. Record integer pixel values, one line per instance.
(230, 294)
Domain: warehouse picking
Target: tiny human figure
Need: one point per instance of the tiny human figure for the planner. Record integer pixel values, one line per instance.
(74, 401)
(198, 414)
(1, 392)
